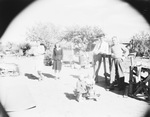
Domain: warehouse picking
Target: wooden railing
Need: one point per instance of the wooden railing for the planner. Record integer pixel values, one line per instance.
(139, 86)
(106, 74)
(134, 88)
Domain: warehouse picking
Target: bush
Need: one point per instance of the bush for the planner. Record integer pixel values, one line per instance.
(48, 58)
(25, 47)
(140, 44)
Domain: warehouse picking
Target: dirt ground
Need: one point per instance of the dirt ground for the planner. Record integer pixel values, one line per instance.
(55, 98)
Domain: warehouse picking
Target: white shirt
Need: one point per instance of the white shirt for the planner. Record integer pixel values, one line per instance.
(102, 47)
(119, 51)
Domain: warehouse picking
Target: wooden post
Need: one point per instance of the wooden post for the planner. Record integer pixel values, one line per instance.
(105, 70)
(132, 56)
(130, 80)
(109, 58)
(105, 67)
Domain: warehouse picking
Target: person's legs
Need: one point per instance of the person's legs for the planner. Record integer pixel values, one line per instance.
(55, 73)
(40, 75)
(58, 74)
(58, 69)
(55, 68)
(120, 75)
(39, 67)
(120, 70)
(97, 59)
(112, 74)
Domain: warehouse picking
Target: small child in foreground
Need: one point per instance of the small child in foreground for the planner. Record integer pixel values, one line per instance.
(85, 88)
(80, 88)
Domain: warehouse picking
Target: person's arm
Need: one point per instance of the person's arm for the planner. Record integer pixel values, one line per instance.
(125, 51)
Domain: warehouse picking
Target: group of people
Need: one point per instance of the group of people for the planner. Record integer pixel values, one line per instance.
(118, 53)
(15, 97)
(57, 57)
(87, 79)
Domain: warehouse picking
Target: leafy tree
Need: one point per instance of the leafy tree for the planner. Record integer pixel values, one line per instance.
(46, 33)
(141, 44)
(82, 37)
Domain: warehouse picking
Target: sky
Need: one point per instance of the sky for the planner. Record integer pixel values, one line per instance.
(116, 18)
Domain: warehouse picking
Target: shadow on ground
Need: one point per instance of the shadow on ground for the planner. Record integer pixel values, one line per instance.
(102, 83)
(31, 76)
(48, 75)
(70, 96)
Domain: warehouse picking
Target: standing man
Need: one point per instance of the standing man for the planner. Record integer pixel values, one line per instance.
(118, 52)
(100, 48)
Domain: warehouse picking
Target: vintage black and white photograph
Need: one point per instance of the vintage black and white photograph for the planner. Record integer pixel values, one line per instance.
(74, 58)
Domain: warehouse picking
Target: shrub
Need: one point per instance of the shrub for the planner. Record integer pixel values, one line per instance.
(48, 58)
(25, 47)
(140, 44)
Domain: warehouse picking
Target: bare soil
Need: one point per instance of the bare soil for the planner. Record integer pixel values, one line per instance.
(55, 98)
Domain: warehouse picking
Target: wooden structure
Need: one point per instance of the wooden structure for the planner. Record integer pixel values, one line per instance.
(139, 80)
(139, 86)
(106, 74)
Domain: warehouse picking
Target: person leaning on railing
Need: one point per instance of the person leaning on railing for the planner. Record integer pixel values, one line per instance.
(118, 53)
(101, 47)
